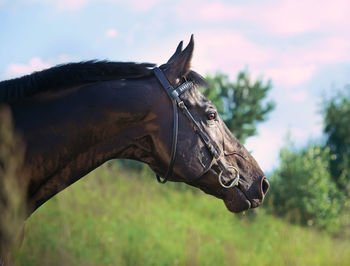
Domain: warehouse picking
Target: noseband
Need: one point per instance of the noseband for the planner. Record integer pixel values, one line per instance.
(177, 102)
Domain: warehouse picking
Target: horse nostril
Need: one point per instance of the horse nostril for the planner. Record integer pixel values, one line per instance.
(265, 185)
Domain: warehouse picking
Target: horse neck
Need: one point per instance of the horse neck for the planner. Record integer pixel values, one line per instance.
(70, 134)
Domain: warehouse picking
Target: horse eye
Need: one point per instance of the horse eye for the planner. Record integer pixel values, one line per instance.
(211, 116)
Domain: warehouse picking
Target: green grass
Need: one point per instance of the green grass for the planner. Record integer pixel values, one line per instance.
(114, 217)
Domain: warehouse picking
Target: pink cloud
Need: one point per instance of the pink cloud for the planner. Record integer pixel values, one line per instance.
(330, 50)
(209, 11)
(35, 64)
(231, 52)
(227, 50)
(282, 18)
(295, 17)
(290, 75)
(215, 11)
(287, 66)
(293, 66)
(71, 4)
(143, 5)
(111, 33)
(138, 5)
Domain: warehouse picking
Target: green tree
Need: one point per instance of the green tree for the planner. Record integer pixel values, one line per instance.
(302, 188)
(241, 103)
(337, 130)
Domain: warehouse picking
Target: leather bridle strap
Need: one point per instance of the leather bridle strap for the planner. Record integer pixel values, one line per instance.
(169, 89)
(176, 101)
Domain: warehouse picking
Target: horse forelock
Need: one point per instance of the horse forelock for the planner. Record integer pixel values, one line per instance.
(197, 79)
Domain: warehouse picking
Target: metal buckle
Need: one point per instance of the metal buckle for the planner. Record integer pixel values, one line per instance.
(235, 180)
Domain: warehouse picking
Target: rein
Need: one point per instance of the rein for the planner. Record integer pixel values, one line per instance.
(178, 103)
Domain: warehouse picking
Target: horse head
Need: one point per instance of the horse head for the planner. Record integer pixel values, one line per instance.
(202, 152)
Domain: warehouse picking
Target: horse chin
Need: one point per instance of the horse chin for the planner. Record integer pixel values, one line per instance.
(236, 201)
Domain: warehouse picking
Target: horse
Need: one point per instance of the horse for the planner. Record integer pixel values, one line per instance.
(72, 118)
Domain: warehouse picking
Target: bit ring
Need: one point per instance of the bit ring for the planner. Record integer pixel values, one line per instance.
(234, 181)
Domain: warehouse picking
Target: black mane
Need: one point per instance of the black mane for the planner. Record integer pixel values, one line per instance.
(69, 75)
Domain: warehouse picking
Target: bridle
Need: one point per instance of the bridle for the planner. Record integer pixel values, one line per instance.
(177, 102)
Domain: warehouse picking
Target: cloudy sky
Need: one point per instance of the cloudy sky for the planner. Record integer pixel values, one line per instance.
(302, 46)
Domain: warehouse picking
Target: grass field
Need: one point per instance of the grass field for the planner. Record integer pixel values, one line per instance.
(114, 217)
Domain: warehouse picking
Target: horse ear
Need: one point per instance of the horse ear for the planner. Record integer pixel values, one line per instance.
(179, 64)
(177, 52)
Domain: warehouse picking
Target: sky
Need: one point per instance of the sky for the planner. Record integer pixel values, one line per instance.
(303, 47)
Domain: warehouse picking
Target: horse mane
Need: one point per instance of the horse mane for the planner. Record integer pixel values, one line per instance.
(69, 75)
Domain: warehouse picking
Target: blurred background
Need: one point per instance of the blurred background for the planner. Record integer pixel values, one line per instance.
(278, 73)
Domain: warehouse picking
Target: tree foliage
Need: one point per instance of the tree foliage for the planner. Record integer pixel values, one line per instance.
(337, 130)
(302, 188)
(240, 103)
(312, 186)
